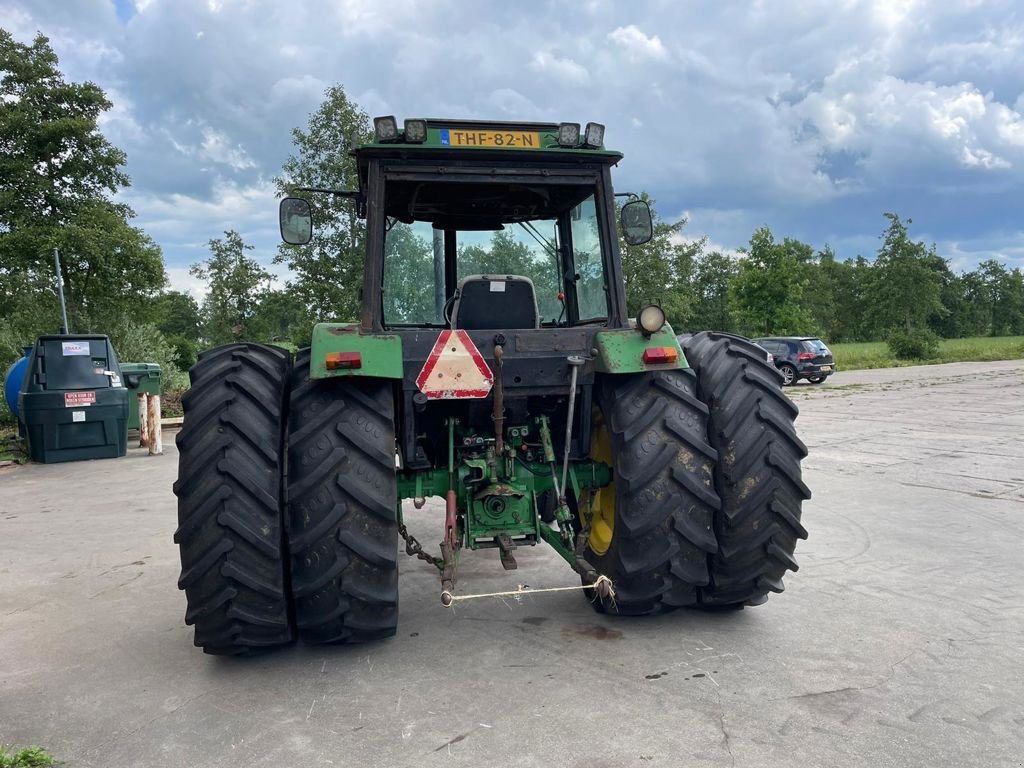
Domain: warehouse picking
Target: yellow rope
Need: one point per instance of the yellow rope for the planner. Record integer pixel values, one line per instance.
(524, 589)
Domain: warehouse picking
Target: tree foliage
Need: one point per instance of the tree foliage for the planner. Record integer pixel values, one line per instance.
(767, 295)
(713, 272)
(906, 283)
(237, 286)
(328, 272)
(57, 173)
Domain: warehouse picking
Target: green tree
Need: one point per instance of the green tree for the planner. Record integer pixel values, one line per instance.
(944, 321)
(57, 173)
(767, 295)
(905, 289)
(177, 316)
(1004, 294)
(712, 274)
(282, 317)
(819, 299)
(237, 286)
(329, 270)
(974, 310)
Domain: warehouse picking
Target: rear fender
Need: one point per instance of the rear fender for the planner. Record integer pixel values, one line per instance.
(622, 351)
(380, 354)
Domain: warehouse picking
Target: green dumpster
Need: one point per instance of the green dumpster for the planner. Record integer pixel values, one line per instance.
(73, 403)
(138, 378)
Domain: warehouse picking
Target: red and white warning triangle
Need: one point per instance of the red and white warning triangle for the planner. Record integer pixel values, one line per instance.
(455, 369)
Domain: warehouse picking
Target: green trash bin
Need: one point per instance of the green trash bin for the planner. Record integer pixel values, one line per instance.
(139, 377)
(73, 403)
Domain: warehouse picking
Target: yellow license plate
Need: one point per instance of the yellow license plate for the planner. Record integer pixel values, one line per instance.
(826, 367)
(509, 139)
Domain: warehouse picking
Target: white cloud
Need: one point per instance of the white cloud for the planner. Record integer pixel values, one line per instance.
(228, 206)
(811, 118)
(217, 147)
(546, 63)
(637, 43)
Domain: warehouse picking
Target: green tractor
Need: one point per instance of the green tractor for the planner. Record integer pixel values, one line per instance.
(494, 366)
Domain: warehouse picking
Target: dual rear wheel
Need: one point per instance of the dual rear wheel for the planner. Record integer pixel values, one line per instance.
(286, 503)
(706, 504)
(287, 496)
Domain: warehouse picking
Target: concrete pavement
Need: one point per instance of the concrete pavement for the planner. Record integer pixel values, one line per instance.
(899, 643)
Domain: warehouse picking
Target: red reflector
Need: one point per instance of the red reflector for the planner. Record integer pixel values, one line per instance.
(805, 356)
(339, 360)
(660, 355)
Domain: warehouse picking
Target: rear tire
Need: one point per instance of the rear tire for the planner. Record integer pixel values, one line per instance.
(342, 496)
(758, 471)
(230, 493)
(816, 379)
(664, 496)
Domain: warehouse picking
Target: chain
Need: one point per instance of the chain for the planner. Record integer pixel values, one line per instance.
(413, 547)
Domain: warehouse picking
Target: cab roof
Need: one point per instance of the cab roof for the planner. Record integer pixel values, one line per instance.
(495, 139)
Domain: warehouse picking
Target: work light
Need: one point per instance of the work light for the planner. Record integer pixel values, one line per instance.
(415, 131)
(568, 134)
(593, 136)
(651, 319)
(385, 129)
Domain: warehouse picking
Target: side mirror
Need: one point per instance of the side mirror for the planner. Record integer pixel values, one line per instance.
(296, 221)
(637, 226)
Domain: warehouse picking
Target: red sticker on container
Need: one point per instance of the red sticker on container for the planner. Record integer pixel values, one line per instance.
(75, 399)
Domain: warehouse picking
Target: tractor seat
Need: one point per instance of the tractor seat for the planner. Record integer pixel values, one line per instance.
(494, 302)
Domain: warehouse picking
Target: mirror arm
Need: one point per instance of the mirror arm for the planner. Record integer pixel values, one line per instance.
(351, 194)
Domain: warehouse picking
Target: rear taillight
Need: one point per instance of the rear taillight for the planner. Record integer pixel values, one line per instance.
(654, 355)
(343, 360)
(805, 356)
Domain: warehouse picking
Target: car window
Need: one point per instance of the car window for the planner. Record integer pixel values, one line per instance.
(816, 345)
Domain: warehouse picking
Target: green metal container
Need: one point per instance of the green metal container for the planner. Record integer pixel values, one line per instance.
(74, 404)
(139, 377)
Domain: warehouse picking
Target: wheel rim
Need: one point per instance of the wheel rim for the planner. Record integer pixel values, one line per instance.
(602, 500)
(787, 374)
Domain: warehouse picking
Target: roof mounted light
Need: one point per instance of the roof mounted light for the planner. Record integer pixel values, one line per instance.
(593, 137)
(415, 131)
(650, 319)
(385, 129)
(568, 134)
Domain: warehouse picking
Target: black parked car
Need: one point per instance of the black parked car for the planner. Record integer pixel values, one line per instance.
(800, 357)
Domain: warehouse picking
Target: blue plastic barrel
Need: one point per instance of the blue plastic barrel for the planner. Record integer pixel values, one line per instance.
(12, 384)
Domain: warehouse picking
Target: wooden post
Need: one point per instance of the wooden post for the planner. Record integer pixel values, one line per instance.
(143, 421)
(156, 443)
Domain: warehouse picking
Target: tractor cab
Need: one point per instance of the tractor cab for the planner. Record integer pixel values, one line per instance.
(450, 204)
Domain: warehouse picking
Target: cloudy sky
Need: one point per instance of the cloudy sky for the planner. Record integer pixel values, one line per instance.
(810, 117)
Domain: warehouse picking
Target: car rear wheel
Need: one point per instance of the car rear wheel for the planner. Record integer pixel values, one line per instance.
(816, 379)
(788, 374)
